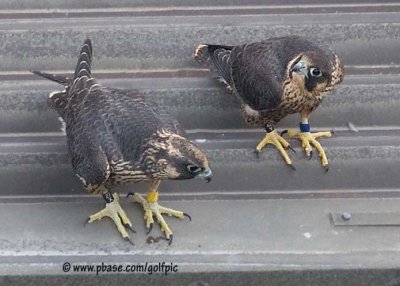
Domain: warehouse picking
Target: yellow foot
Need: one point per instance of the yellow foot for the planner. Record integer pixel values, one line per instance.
(114, 211)
(281, 144)
(154, 209)
(308, 139)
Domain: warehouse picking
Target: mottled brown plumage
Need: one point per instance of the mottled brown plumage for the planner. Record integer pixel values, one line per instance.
(117, 136)
(274, 78)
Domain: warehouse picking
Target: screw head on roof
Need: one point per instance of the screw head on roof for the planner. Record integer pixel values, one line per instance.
(346, 216)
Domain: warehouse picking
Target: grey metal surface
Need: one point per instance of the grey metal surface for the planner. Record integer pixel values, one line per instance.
(52, 43)
(350, 277)
(201, 103)
(358, 161)
(257, 220)
(277, 234)
(71, 4)
(366, 219)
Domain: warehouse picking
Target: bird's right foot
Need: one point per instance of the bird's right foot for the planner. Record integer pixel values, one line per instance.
(114, 211)
(279, 142)
(309, 139)
(153, 209)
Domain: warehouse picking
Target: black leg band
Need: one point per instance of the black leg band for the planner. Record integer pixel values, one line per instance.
(108, 197)
(269, 127)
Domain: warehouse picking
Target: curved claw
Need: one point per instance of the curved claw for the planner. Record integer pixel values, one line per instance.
(292, 167)
(188, 216)
(326, 168)
(333, 132)
(129, 194)
(150, 228)
(291, 149)
(257, 153)
(284, 132)
(170, 239)
(86, 222)
(129, 240)
(310, 156)
(130, 228)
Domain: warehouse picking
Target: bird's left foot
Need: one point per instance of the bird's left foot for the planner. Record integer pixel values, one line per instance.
(153, 209)
(309, 139)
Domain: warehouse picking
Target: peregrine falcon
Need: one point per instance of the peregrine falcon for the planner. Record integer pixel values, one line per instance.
(116, 136)
(274, 78)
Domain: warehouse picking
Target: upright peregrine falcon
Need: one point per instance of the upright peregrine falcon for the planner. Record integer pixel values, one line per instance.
(274, 78)
(116, 136)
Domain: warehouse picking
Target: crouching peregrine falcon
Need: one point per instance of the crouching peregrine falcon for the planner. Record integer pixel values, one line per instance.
(116, 136)
(274, 78)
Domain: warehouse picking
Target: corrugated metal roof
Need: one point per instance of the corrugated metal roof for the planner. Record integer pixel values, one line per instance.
(148, 46)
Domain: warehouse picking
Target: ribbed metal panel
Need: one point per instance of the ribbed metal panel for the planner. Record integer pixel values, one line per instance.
(257, 214)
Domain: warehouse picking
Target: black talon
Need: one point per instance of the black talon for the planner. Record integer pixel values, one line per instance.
(86, 222)
(326, 168)
(284, 132)
(310, 156)
(188, 216)
(129, 194)
(150, 228)
(170, 239)
(257, 153)
(333, 132)
(292, 167)
(129, 240)
(130, 228)
(291, 149)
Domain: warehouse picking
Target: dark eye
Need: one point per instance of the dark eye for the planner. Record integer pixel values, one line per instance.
(315, 72)
(193, 168)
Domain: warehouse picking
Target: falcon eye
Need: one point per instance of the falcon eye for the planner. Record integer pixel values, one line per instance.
(193, 168)
(315, 72)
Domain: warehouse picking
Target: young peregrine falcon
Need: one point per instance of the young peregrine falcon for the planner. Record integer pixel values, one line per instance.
(274, 78)
(116, 136)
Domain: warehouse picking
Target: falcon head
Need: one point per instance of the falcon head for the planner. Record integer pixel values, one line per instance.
(175, 157)
(315, 71)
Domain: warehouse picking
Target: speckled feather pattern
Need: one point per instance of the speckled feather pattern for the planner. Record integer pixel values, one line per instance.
(258, 74)
(117, 136)
(110, 127)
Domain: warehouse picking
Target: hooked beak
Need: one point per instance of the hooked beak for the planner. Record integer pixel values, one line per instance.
(301, 68)
(206, 175)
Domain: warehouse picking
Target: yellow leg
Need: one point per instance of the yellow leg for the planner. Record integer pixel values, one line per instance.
(114, 211)
(281, 144)
(308, 139)
(153, 209)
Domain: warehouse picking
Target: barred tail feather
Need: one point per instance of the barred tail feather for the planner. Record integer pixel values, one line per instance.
(83, 67)
(217, 59)
(202, 56)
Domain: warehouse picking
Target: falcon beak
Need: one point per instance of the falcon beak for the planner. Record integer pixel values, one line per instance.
(301, 68)
(206, 175)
